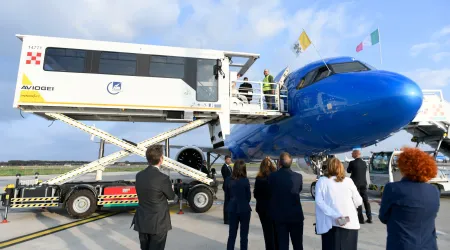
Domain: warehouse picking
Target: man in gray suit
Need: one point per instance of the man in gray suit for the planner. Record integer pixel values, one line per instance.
(153, 188)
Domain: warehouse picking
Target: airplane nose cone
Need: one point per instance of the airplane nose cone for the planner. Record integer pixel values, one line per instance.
(397, 99)
(403, 93)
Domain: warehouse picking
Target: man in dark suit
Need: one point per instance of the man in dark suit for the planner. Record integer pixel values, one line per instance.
(246, 89)
(285, 208)
(153, 188)
(226, 172)
(358, 170)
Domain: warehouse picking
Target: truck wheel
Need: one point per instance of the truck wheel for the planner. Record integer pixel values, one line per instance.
(200, 199)
(313, 190)
(81, 204)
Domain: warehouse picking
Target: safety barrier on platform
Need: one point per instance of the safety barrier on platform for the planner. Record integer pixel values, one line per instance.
(261, 95)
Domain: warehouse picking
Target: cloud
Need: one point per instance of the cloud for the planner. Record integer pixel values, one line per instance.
(441, 33)
(122, 20)
(270, 29)
(418, 48)
(434, 44)
(228, 23)
(429, 78)
(439, 56)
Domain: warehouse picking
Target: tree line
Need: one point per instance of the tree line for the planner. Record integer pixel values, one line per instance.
(59, 163)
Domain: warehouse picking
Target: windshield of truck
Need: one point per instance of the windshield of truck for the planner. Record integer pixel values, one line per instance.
(379, 164)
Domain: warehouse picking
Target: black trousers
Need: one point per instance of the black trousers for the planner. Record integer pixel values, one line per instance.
(153, 241)
(270, 100)
(295, 230)
(244, 220)
(268, 226)
(340, 239)
(225, 214)
(363, 192)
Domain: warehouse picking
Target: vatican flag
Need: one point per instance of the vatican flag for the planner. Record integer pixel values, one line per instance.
(302, 43)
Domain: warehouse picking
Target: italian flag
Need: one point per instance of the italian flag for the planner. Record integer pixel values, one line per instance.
(370, 40)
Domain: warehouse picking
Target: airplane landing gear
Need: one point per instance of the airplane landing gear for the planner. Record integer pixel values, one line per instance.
(316, 162)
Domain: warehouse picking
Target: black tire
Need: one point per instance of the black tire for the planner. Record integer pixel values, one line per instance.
(200, 199)
(81, 204)
(313, 189)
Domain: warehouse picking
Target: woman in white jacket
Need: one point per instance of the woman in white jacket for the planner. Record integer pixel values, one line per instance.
(336, 202)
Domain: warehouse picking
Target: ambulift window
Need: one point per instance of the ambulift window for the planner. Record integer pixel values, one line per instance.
(167, 66)
(65, 60)
(117, 63)
(207, 85)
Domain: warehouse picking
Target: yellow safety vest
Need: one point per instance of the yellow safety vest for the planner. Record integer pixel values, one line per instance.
(267, 86)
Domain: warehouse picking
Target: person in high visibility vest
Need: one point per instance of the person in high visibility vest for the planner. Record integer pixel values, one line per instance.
(269, 89)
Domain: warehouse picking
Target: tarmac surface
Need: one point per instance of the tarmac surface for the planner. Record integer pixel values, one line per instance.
(190, 230)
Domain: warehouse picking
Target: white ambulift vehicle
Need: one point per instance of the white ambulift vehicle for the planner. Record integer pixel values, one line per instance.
(383, 169)
(78, 80)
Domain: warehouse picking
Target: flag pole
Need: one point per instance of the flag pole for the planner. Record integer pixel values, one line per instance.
(318, 52)
(379, 37)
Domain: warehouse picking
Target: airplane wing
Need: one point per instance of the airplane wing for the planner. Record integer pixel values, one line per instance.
(221, 151)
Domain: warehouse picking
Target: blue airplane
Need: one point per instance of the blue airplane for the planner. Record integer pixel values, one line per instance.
(354, 105)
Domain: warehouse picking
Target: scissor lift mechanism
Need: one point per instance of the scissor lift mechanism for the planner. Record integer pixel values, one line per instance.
(54, 195)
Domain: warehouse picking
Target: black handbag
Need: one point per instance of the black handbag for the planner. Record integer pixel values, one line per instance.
(315, 229)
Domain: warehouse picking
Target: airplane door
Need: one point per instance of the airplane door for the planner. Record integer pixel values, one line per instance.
(281, 90)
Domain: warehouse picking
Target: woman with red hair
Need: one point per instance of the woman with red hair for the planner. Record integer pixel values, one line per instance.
(409, 207)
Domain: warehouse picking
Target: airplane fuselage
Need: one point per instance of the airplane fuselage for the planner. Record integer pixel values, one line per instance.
(333, 114)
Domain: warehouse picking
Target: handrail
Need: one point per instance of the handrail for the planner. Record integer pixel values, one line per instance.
(279, 94)
(430, 91)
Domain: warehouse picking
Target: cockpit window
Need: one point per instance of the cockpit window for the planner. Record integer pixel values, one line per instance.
(348, 67)
(323, 73)
(318, 74)
(306, 80)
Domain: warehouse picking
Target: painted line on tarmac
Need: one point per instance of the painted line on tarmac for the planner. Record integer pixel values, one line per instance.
(38, 234)
(254, 203)
(437, 231)
(440, 232)
(173, 208)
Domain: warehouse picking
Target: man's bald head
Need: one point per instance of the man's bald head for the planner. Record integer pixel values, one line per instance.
(356, 153)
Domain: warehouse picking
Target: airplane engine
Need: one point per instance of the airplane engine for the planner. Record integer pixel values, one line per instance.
(190, 156)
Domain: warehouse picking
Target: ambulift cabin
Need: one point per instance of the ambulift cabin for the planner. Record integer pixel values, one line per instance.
(110, 81)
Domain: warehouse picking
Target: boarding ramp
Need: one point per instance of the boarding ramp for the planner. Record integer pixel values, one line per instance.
(249, 103)
(432, 123)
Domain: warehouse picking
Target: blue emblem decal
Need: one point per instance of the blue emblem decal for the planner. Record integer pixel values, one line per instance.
(114, 88)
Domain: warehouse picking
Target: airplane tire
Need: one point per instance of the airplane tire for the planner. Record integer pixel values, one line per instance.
(200, 199)
(313, 190)
(81, 204)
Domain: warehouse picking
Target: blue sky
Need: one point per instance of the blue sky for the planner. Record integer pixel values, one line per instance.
(415, 40)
